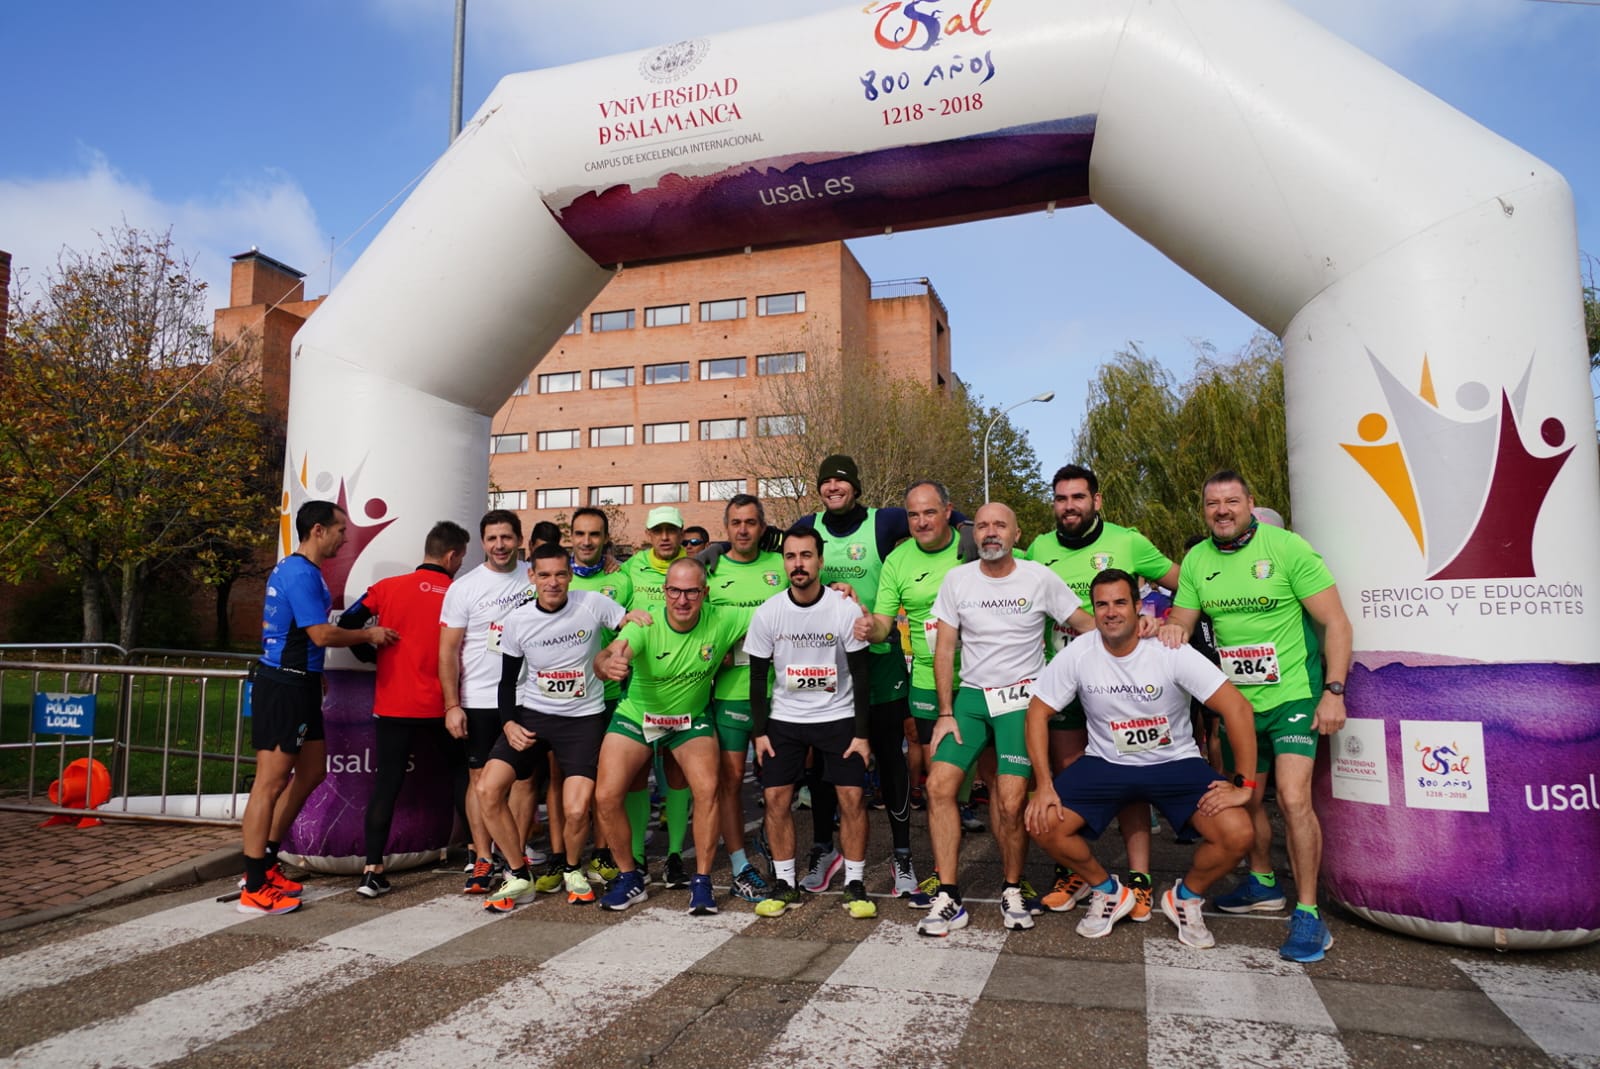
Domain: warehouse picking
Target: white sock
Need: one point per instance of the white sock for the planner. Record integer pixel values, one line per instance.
(783, 870)
(854, 870)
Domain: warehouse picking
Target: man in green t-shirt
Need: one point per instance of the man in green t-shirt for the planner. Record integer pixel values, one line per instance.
(910, 582)
(1263, 588)
(1082, 546)
(745, 577)
(673, 661)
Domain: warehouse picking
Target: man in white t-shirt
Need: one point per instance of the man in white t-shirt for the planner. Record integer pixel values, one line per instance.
(1135, 695)
(469, 671)
(804, 641)
(550, 702)
(997, 607)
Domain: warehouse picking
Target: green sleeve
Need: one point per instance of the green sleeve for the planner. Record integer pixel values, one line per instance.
(1188, 595)
(887, 603)
(1148, 561)
(635, 637)
(1308, 573)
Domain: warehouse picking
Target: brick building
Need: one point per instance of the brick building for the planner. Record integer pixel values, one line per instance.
(659, 385)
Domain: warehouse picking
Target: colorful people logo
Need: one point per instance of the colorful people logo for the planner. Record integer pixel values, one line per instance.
(1468, 488)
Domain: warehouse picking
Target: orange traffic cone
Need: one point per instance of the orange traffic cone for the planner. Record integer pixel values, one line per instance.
(84, 784)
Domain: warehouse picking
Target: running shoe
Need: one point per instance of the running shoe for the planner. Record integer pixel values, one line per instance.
(268, 900)
(824, 864)
(277, 880)
(626, 890)
(980, 793)
(602, 866)
(504, 898)
(781, 897)
(1309, 938)
(1185, 913)
(533, 855)
(749, 885)
(702, 902)
(923, 897)
(918, 799)
(969, 820)
(1251, 896)
(905, 883)
(472, 859)
(673, 875)
(482, 876)
(1139, 883)
(1031, 899)
(1105, 910)
(1068, 891)
(373, 885)
(578, 890)
(550, 880)
(945, 915)
(856, 902)
(1014, 911)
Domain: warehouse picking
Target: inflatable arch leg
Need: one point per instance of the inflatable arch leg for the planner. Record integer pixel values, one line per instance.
(1421, 270)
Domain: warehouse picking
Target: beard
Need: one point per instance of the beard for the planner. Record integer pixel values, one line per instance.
(993, 553)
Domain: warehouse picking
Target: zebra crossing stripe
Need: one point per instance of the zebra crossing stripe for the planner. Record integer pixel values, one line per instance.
(1232, 1006)
(1559, 1009)
(177, 1024)
(554, 1005)
(71, 958)
(898, 999)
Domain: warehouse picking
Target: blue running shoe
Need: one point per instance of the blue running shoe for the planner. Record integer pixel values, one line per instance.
(626, 890)
(1309, 938)
(1251, 896)
(702, 903)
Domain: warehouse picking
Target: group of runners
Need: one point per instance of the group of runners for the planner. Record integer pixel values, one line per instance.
(568, 677)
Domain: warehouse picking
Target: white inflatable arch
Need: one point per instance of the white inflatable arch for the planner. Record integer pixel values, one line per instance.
(1421, 271)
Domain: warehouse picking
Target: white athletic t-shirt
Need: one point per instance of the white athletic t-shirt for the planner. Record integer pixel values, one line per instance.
(558, 650)
(1137, 706)
(1002, 620)
(480, 601)
(807, 646)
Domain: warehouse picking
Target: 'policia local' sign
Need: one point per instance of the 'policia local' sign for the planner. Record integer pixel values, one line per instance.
(63, 714)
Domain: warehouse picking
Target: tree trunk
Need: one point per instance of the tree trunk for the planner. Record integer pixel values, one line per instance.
(222, 636)
(130, 605)
(93, 618)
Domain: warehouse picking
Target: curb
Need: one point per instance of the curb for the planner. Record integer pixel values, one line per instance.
(224, 861)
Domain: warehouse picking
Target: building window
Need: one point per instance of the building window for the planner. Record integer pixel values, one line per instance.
(610, 495)
(791, 486)
(665, 493)
(561, 382)
(665, 433)
(599, 322)
(610, 378)
(666, 315)
(510, 499)
(728, 367)
(576, 327)
(521, 391)
(720, 489)
(556, 499)
(780, 304)
(777, 426)
(717, 311)
(508, 443)
(661, 374)
(780, 364)
(714, 429)
(603, 436)
(558, 440)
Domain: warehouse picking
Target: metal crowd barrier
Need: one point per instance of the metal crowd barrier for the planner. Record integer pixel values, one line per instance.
(169, 728)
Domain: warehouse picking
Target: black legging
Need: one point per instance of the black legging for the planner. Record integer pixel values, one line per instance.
(886, 734)
(397, 737)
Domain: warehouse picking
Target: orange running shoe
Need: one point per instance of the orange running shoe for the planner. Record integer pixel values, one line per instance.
(276, 879)
(1139, 883)
(268, 900)
(478, 882)
(1068, 891)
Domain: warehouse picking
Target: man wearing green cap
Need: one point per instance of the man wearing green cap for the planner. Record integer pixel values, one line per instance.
(857, 540)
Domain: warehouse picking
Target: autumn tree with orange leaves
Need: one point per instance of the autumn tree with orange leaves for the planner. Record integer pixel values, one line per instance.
(130, 450)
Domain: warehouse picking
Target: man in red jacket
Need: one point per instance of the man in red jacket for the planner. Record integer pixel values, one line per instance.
(408, 702)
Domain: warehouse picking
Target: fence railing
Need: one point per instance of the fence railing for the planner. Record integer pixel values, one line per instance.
(169, 727)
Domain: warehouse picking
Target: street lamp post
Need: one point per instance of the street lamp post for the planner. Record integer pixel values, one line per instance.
(1048, 395)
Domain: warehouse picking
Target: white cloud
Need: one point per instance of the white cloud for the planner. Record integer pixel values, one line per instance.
(39, 216)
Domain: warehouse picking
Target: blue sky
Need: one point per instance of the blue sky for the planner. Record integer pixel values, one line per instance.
(290, 126)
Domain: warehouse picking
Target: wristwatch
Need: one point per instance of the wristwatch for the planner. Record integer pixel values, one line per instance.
(1240, 781)
(1334, 688)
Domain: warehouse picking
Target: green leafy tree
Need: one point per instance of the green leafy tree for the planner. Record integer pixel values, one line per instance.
(1152, 440)
(128, 448)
